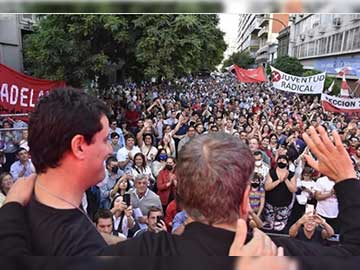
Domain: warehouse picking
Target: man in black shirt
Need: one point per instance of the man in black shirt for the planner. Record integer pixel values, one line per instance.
(76, 126)
(213, 173)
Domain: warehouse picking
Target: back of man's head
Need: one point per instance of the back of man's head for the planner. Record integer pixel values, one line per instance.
(57, 118)
(213, 172)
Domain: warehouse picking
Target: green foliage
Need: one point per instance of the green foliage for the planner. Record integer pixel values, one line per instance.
(242, 59)
(174, 45)
(75, 48)
(290, 65)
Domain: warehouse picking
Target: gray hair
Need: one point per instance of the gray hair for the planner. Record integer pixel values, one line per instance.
(140, 177)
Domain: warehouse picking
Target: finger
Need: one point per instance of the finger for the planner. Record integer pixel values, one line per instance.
(239, 239)
(269, 247)
(310, 144)
(258, 241)
(318, 142)
(338, 143)
(326, 140)
(311, 162)
(280, 252)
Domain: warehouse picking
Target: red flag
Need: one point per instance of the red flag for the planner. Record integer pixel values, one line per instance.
(20, 92)
(343, 71)
(250, 75)
(345, 88)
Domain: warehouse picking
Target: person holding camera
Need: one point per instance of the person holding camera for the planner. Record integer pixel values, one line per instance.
(142, 199)
(311, 227)
(155, 221)
(123, 220)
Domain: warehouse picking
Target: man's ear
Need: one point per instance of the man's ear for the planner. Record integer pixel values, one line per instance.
(244, 206)
(77, 146)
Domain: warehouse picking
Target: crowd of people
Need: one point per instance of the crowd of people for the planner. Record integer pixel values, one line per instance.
(149, 125)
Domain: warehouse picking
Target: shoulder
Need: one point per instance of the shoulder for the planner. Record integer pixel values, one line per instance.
(321, 180)
(122, 150)
(16, 163)
(162, 172)
(153, 195)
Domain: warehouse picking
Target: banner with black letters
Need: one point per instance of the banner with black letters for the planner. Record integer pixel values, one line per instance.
(300, 85)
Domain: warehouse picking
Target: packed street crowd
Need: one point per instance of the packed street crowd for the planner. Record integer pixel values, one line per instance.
(150, 124)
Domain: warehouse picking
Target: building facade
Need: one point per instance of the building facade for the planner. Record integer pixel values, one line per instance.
(327, 42)
(283, 42)
(270, 26)
(13, 27)
(248, 34)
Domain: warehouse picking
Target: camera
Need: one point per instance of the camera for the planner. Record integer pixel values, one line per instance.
(126, 199)
(158, 219)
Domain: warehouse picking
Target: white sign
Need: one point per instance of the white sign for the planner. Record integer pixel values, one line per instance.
(299, 85)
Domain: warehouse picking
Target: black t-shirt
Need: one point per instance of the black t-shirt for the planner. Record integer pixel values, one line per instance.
(61, 231)
(316, 237)
(280, 195)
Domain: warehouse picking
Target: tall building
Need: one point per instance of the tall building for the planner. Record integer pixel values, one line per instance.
(13, 27)
(248, 34)
(270, 26)
(326, 42)
(283, 42)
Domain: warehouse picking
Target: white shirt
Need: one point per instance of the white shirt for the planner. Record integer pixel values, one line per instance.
(149, 151)
(124, 226)
(329, 207)
(263, 170)
(136, 172)
(304, 196)
(123, 154)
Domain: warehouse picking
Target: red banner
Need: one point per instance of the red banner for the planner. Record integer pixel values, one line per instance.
(330, 108)
(350, 106)
(19, 93)
(250, 75)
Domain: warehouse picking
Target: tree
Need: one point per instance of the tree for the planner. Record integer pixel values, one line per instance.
(76, 48)
(290, 65)
(175, 45)
(242, 59)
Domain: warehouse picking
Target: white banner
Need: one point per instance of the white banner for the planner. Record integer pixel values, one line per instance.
(300, 85)
(342, 104)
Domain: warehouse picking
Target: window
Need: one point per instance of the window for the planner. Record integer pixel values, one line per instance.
(311, 48)
(302, 50)
(356, 43)
(336, 42)
(317, 44)
(326, 19)
(348, 40)
(328, 44)
(322, 46)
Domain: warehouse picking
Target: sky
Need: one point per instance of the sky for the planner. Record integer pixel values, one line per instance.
(229, 24)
